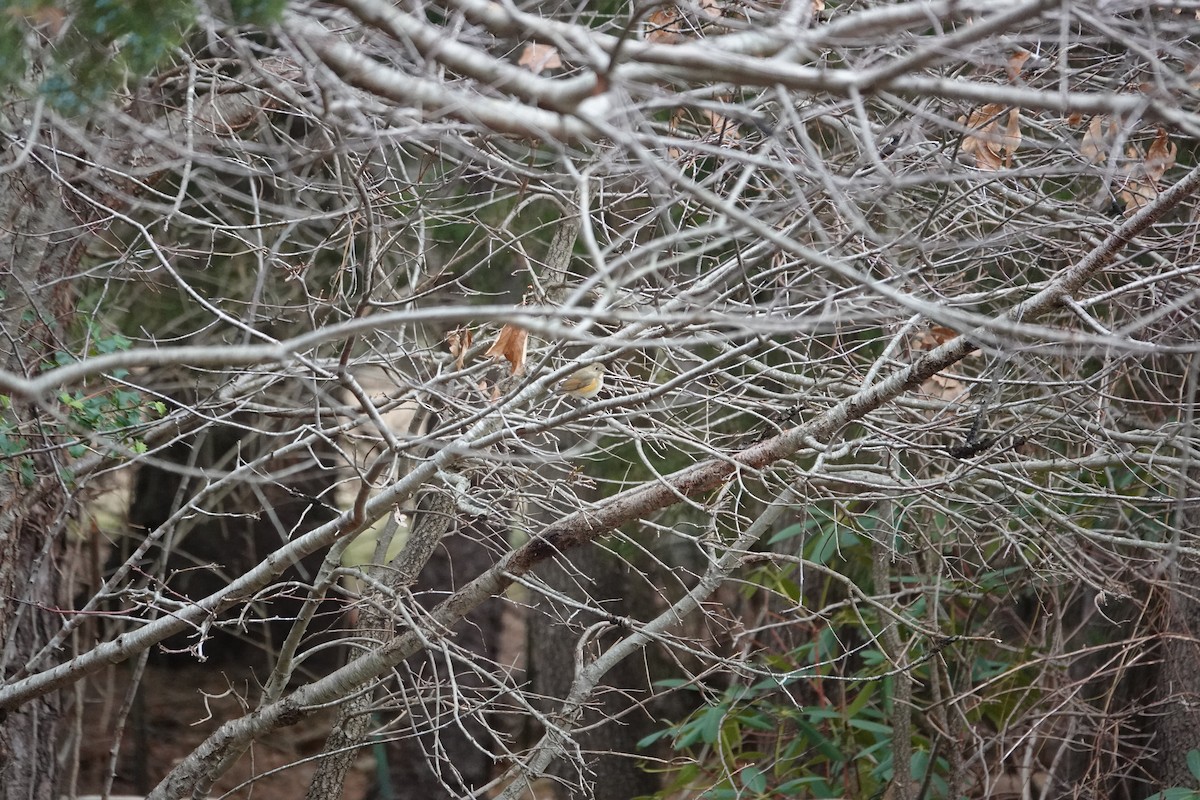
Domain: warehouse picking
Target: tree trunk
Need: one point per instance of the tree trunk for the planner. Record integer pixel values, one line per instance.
(612, 770)
(40, 242)
(444, 757)
(1178, 723)
(1177, 718)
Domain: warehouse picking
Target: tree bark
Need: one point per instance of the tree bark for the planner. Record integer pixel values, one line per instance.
(1178, 727)
(41, 240)
(1178, 724)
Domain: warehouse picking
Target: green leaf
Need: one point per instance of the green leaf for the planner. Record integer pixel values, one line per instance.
(754, 780)
(867, 725)
(111, 344)
(710, 724)
(1175, 794)
(818, 740)
(791, 531)
(860, 702)
(646, 741)
(1193, 762)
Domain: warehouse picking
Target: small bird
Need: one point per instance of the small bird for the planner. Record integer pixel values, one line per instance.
(584, 383)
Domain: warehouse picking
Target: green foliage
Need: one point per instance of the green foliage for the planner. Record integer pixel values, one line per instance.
(1175, 793)
(85, 50)
(111, 414)
(14, 447)
(774, 749)
(823, 727)
(1179, 792)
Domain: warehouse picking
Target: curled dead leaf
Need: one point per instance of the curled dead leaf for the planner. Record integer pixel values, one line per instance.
(673, 24)
(950, 390)
(992, 145)
(537, 57)
(510, 345)
(1161, 156)
(664, 26)
(1098, 140)
(459, 341)
(1016, 62)
(933, 336)
(1143, 173)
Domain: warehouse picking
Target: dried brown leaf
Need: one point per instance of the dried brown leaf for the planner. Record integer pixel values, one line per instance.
(1144, 172)
(537, 57)
(985, 141)
(1016, 62)
(1011, 139)
(510, 345)
(725, 128)
(943, 387)
(1161, 156)
(1098, 139)
(933, 336)
(665, 26)
(459, 341)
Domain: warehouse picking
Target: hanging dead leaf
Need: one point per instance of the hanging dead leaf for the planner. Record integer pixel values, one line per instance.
(945, 388)
(1144, 172)
(1016, 62)
(992, 145)
(1098, 139)
(1012, 136)
(537, 57)
(459, 341)
(664, 26)
(1136, 189)
(510, 345)
(933, 336)
(673, 24)
(726, 129)
(1161, 156)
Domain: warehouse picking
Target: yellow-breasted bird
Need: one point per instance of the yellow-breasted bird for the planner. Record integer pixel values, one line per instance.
(584, 382)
